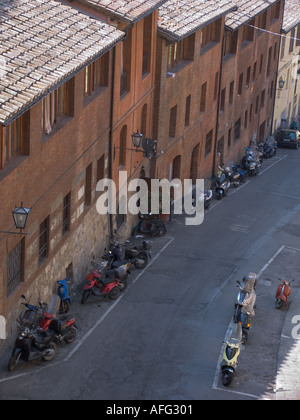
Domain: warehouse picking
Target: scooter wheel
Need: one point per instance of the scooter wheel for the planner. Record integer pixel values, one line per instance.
(227, 377)
(114, 293)
(142, 261)
(279, 303)
(64, 307)
(122, 284)
(71, 336)
(52, 353)
(13, 361)
(85, 296)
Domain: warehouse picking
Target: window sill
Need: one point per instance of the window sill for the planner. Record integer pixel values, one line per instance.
(172, 71)
(58, 126)
(12, 165)
(91, 97)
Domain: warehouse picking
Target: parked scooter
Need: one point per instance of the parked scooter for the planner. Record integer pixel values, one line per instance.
(282, 293)
(242, 172)
(244, 304)
(147, 225)
(270, 147)
(32, 345)
(231, 353)
(98, 285)
(39, 317)
(251, 161)
(64, 294)
(119, 254)
(207, 195)
(233, 175)
(32, 315)
(222, 183)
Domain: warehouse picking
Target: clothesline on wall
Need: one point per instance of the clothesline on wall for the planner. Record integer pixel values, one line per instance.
(274, 33)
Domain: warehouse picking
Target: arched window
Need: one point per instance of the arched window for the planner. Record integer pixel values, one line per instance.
(123, 142)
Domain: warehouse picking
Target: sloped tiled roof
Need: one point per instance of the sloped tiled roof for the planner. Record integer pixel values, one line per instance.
(127, 10)
(179, 18)
(42, 44)
(291, 17)
(247, 10)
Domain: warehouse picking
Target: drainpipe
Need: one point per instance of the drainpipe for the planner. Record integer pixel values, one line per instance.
(110, 141)
(218, 103)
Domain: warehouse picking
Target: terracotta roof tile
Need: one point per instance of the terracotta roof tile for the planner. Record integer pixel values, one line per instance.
(42, 43)
(247, 10)
(128, 10)
(291, 17)
(179, 18)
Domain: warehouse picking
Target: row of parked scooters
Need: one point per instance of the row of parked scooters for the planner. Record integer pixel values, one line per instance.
(242, 319)
(232, 175)
(40, 332)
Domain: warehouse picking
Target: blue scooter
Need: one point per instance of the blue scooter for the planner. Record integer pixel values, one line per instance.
(64, 293)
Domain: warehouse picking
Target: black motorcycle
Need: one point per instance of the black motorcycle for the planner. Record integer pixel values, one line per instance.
(222, 183)
(120, 255)
(32, 345)
(244, 304)
(147, 225)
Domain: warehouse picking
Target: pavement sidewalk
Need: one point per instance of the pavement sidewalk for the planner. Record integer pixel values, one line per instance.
(288, 364)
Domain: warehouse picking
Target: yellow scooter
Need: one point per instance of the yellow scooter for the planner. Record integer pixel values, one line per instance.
(231, 353)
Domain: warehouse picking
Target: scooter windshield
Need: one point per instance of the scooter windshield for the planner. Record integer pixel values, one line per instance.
(235, 336)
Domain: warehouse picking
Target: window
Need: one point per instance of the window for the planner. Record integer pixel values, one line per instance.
(211, 34)
(223, 98)
(101, 168)
(147, 39)
(123, 143)
(181, 51)
(95, 75)
(88, 185)
(263, 96)
(231, 93)
(261, 64)
(66, 214)
(15, 267)
(229, 137)
(241, 78)
(187, 111)
(262, 21)
(269, 61)
(298, 37)
(173, 117)
(230, 44)
(11, 138)
(275, 12)
(292, 41)
(208, 143)
(254, 71)
(125, 64)
(248, 33)
(55, 107)
(237, 130)
(203, 97)
(248, 76)
(217, 77)
(44, 240)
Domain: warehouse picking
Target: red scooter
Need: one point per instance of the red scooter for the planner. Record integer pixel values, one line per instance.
(64, 331)
(282, 294)
(106, 287)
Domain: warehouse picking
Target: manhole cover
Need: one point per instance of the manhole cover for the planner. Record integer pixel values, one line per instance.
(172, 274)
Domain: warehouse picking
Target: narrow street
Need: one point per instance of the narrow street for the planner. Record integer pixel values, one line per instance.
(162, 339)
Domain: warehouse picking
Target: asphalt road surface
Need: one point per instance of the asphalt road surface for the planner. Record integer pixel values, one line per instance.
(162, 340)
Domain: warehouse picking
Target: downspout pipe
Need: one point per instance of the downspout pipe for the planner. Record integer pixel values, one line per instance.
(110, 141)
